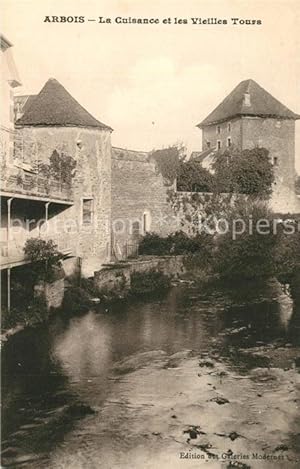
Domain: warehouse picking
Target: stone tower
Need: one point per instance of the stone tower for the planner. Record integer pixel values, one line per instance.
(56, 123)
(251, 117)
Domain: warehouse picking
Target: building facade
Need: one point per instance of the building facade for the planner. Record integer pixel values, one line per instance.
(56, 183)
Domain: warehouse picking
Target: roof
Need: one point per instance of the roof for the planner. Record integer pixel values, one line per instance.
(199, 156)
(23, 102)
(4, 42)
(54, 106)
(261, 103)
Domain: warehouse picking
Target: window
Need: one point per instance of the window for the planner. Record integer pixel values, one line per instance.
(229, 127)
(218, 129)
(229, 142)
(275, 161)
(218, 144)
(146, 221)
(208, 144)
(87, 211)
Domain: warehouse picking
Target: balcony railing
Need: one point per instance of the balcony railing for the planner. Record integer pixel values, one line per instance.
(14, 180)
(12, 252)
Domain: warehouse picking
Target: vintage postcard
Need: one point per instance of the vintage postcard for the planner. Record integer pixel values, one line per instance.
(150, 234)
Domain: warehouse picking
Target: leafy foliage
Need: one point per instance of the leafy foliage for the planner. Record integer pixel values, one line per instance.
(178, 243)
(249, 172)
(76, 300)
(60, 167)
(149, 282)
(287, 255)
(34, 313)
(192, 177)
(45, 258)
(168, 162)
(251, 254)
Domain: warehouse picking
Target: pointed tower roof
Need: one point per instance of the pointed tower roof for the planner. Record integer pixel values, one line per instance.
(54, 106)
(248, 99)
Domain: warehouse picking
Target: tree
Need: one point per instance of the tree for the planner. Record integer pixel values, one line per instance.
(192, 177)
(45, 258)
(248, 172)
(251, 253)
(168, 161)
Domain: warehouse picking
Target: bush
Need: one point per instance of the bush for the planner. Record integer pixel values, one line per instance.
(287, 256)
(192, 177)
(143, 283)
(155, 245)
(178, 243)
(45, 259)
(248, 256)
(34, 313)
(248, 172)
(76, 300)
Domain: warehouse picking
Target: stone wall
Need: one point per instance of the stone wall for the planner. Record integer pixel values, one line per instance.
(277, 136)
(117, 278)
(210, 134)
(139, 200)
(91, 148)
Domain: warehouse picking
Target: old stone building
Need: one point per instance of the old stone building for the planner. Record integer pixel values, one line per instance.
(43, 197)
(251, 117)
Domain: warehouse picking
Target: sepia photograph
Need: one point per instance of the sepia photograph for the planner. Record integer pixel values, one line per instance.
(150, 234)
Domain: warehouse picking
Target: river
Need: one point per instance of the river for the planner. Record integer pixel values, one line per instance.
(201, 377)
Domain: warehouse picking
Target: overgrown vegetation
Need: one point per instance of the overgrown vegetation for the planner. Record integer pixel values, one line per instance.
(143, 283)
(60, 167)
(178, 243)
(265, 248)
(168, 162)
(29, 314)
(45, 259)
(192, 177)
(247, 172)
(76, 299)
(250, 254)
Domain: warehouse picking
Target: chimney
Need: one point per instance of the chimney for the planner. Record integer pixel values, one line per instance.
(247, 100)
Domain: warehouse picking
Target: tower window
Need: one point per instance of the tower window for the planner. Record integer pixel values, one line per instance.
(275, 161)
(229, 142)
(229, 127)
(146, 221)
(218, 129)
(208, 144)
(87, 211)
(218, 144)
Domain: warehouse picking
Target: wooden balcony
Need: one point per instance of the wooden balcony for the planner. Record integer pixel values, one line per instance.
(15, 181)
(12, 253)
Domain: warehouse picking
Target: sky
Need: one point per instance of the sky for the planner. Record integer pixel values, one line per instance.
(153, 83)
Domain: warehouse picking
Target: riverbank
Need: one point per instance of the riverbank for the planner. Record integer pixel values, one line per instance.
(114, 282)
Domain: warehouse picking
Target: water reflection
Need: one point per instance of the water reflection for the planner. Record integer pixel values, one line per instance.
(47, 368)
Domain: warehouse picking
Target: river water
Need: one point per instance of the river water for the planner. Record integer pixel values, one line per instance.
(197, 378)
